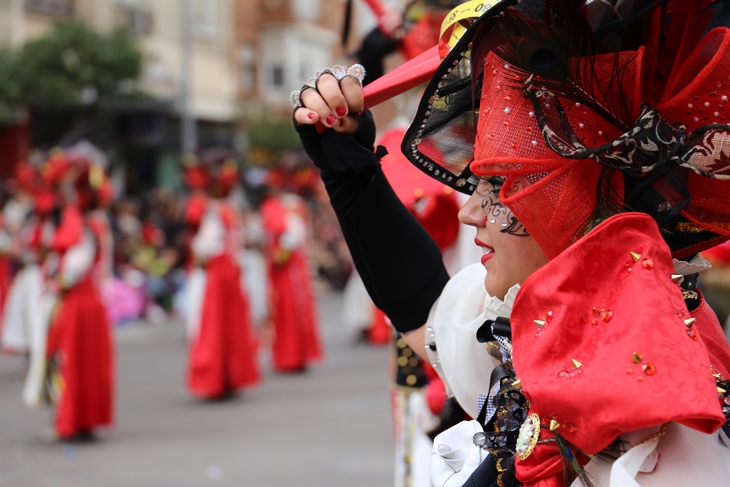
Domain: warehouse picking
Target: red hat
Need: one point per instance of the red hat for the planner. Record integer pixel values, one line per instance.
(586, 121)
(226, 178)
(196, 175)
(26, 175)
(56, 167)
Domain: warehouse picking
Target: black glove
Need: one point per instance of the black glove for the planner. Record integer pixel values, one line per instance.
(333, 152)
(399, 263)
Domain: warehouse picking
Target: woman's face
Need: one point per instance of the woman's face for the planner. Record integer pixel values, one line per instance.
(510, 253)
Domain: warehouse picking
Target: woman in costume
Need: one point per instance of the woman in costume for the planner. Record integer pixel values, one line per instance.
(593, 140)
(223, 353)
(293, 310)
(79, 372)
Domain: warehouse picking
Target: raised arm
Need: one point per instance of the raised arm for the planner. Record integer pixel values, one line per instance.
(398, 261)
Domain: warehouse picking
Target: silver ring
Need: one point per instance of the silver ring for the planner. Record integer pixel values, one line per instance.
(356, 71)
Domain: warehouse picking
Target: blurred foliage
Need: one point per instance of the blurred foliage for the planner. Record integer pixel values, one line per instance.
(71, 64)
(12, 88)
(269, 138)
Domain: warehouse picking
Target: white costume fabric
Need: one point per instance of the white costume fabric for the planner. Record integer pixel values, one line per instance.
(77, 263)
(465, 366)
(255, 277)
(209, 242)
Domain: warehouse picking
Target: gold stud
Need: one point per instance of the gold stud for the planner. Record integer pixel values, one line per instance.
(517, 384)
(554, 425)
(689, 322)
(539, 323)
(635, 256)
(676, 278)
(636, 358)
(576, 364)
(721, 390)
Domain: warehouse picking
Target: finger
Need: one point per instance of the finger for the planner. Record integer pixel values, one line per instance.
(347, 125)
(305, 116)
(329, 88)
(353, 94)
(313, 101)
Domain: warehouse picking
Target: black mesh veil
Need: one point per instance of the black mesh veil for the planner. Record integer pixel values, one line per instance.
(440, 141)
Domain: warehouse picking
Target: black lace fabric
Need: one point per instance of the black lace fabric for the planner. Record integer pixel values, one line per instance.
(502, 430)
(660, 163)
(724, 385)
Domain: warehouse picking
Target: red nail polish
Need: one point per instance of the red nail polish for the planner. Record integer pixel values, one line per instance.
(330, 120)
(341, 110)
(358, 113)
(310, 115)
(342, 122)
(320, 128)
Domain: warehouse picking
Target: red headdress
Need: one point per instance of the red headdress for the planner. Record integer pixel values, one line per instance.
(56, 167)
(93, 188)
(588, 108)
(197, 176)
(26, 175)
(226, 178)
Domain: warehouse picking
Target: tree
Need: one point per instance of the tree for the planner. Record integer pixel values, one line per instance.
(71, 64)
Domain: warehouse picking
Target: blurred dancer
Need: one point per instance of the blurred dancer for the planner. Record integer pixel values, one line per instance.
(17, 293)
(296, 337)
(222, 356)
(79, 377)
(410, 31)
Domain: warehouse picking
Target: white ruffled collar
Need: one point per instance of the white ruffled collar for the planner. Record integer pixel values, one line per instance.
(695, 265)
(501, 307)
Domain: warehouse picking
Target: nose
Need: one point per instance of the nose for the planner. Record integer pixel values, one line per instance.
(472, 212)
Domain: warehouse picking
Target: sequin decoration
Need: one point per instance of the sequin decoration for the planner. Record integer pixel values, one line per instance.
(529, 434)
(480, 440)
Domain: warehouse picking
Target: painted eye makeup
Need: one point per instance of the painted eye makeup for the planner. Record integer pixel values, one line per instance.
(495, 212)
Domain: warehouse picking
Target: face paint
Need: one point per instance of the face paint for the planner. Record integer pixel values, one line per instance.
(496, 212)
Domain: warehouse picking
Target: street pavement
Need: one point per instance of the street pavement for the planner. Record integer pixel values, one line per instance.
(327, 427)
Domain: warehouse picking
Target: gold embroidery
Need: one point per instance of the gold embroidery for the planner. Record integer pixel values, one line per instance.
(689, 227)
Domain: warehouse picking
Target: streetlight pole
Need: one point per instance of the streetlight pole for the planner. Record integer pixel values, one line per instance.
(189, 141)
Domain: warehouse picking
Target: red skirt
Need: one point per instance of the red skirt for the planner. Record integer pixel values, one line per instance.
(296, 340)
(223, 355)
(80, 340)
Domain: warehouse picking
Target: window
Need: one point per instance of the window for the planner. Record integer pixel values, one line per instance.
(135, 15)
(205, 17)
(277, 76)
(247, 59)
(57, 7)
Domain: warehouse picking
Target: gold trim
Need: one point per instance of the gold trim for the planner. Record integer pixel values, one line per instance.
(689, 227)
(655, 436)
(690, 295)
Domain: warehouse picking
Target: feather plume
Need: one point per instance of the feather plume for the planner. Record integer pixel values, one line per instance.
(571, 466)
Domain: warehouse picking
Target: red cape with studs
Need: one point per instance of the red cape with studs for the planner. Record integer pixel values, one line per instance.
(616, 349)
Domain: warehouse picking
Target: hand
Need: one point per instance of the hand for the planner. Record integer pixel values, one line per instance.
(332, 104)
(336, 134)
